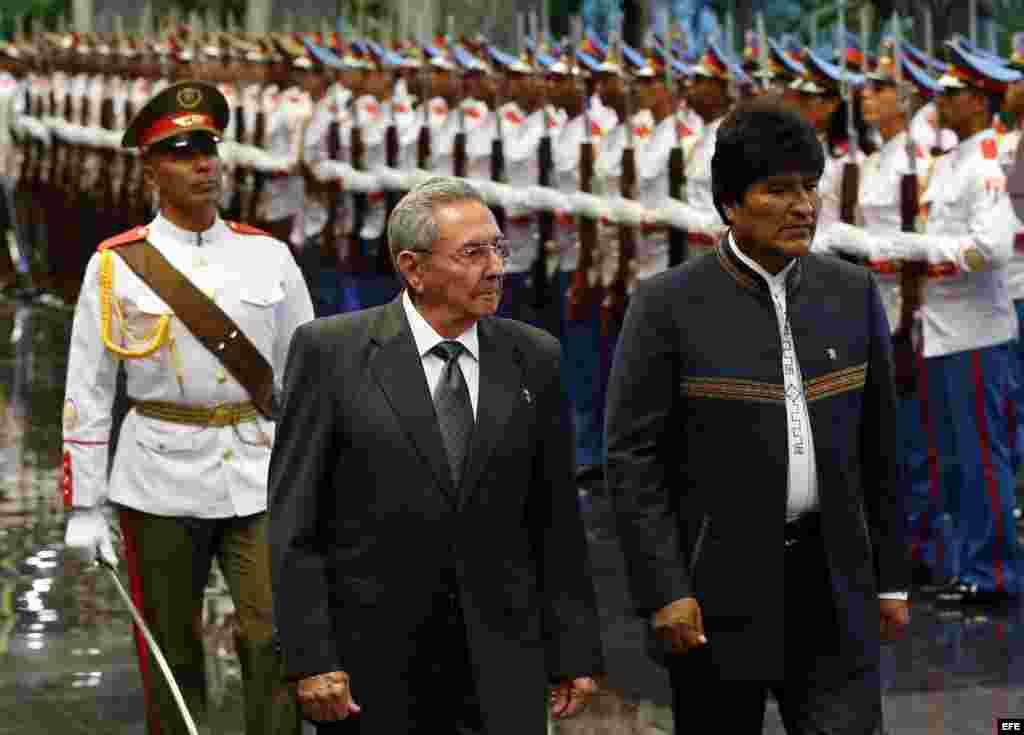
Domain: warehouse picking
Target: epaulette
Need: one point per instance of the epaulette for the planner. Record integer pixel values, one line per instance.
(989, 149)
(246, 229)
(133, 235)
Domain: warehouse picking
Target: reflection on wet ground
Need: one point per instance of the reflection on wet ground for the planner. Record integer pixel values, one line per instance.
(67, 661)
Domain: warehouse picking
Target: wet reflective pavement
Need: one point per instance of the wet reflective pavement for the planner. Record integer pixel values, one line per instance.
(67, 659)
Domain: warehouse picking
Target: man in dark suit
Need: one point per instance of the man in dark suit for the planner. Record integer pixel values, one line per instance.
(751, 456)
(429, 561)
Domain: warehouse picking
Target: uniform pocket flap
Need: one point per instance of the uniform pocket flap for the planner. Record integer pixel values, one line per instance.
(166, 438)
(147, 302)
(263, 295)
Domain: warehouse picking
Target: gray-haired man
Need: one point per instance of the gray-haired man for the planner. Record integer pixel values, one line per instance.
(430, 565)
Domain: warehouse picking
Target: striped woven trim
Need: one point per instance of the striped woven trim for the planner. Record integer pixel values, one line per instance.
(739, 276)
(841, 381)
(754, 391)
(734, 389)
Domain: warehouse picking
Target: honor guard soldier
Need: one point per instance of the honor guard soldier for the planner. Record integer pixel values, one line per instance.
(966, 528)
(710, 93)
(198, 313)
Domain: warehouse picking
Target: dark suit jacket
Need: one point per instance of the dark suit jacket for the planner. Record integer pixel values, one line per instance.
(364, 518)
(697, 436)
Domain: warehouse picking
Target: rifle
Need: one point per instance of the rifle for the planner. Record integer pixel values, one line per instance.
(614, 307)
(678, 246)
(498, 150)
(912, 273)
(256, 178)
(545, 219)
(329, 246)
(107, 156)
(850, 184)
(580, 296)
(385, 266)
(423, 153)
(459, 155)
(360, 200)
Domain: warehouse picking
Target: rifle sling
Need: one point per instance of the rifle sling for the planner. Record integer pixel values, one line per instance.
(207, 322)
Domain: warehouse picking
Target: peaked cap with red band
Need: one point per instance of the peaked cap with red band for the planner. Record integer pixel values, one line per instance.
(971, 70)
(185, 107)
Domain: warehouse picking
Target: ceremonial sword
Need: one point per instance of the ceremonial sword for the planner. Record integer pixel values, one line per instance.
(151, 641)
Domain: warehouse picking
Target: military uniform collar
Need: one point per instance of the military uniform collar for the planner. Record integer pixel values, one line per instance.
(167, 231)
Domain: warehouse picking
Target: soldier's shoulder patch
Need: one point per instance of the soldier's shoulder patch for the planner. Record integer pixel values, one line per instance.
(133, 235)
(246, 229)
(990, 149)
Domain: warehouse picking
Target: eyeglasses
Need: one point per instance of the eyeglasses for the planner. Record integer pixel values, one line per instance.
(476, 253)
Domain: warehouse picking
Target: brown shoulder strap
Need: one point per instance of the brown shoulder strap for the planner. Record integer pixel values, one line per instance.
(206, 321)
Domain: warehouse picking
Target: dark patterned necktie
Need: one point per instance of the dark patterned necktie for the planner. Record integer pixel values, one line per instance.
(454, 410)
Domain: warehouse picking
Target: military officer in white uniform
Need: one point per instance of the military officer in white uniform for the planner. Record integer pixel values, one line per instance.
(968, 326)
(711, 95)
(189, 477)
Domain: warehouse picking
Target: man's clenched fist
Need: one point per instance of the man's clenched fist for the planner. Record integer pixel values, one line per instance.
(326, 697)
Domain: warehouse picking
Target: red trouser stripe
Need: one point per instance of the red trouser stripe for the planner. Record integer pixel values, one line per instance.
(985, 441)
(934, 489)
(1011, 421)
(131, 553)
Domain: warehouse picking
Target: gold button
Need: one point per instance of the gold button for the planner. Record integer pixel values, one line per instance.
(228, 454)
(221, 376)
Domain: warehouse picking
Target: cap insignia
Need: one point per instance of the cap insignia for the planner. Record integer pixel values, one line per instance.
(189, 97)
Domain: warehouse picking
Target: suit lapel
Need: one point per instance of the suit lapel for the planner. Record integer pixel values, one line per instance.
(398, 368)
(501, 392)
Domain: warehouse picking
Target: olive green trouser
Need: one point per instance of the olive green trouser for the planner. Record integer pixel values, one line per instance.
(168, 562)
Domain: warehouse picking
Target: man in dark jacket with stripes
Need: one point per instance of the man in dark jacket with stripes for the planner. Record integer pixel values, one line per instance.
(751, 455)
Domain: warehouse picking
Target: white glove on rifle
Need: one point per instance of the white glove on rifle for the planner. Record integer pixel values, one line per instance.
(88, 532)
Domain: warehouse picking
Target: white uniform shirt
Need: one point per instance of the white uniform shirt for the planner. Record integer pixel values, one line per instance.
(880, 207)
(698, 172)
(802, 495)
(1015, 268)
(165, 468)
(427, 338)
(970, 232)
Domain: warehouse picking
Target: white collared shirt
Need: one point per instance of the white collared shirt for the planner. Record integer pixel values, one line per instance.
(802, 494)
(426, 338)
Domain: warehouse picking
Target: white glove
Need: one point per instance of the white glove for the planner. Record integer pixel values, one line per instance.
(840, 237)
(89, 531)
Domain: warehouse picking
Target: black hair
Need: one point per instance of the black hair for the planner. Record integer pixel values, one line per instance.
(761, 138)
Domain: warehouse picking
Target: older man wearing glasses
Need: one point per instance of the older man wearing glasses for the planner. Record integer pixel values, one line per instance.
(430, 565)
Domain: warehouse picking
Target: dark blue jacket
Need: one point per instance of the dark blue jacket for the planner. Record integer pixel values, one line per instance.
(697, 436)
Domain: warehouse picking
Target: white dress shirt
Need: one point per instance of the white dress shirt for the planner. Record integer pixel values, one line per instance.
(427, 338)
(802, 493)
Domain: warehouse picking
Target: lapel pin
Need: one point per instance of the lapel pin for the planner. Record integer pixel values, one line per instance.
(527, 395)
(831, 354)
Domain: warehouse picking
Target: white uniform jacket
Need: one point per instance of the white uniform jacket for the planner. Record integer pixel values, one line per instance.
(166, 468)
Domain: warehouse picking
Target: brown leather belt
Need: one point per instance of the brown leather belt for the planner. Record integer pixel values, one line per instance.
(223, 414)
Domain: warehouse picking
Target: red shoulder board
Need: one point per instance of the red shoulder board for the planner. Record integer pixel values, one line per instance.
(989, 149)
(246, 229)
(133, 235)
